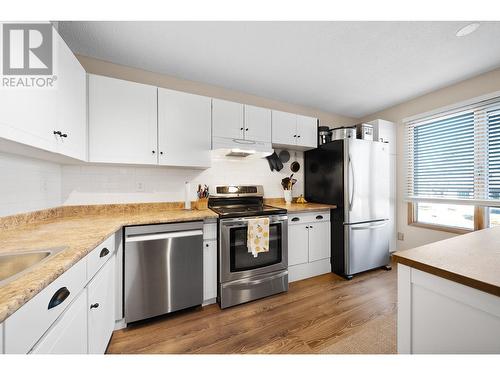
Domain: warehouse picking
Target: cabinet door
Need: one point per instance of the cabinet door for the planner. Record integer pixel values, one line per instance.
(307, 131)
(101, 308)
(184, 137)
(68, 335)
(257, 124)
(72, 102)
(122, 121)
(319, 241)
(284, 128)
(209, 270)
(29, 115)
(298, 244)
(227, 119)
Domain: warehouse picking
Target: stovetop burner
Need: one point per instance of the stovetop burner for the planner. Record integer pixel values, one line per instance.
(239, 201)
(242, 210)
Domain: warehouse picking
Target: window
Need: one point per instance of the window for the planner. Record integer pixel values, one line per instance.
(454, 168)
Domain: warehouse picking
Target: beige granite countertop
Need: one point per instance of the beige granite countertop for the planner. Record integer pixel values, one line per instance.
(79, 230)
(298, 207)
(471, 259)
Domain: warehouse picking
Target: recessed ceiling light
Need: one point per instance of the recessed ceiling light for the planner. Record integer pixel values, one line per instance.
(468, 29)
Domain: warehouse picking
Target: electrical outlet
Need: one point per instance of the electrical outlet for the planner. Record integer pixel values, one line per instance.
(401, 236)
(139, 186)
(43, 185)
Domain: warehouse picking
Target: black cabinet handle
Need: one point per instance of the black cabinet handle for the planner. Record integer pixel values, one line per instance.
(295, 219)
(307, 226)
(241, 128)
(94, 306)
(298, 136)
(319, 217)
(57, 132)
(207, 245)
(153, 151)
(246, 129)
(295, 136)
(63, 135)
(59, 296)
(104, 252)
(161, 152)
(310, 227)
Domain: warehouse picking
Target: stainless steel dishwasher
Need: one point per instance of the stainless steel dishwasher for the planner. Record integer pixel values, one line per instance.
(163, 269)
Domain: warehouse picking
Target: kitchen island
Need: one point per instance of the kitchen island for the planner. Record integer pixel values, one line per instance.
(449, 295)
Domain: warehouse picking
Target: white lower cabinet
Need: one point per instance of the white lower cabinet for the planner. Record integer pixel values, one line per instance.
(440, 316)
(308, 245)
(101, 308)
(74, 314)
(68, 335)
(209, 270)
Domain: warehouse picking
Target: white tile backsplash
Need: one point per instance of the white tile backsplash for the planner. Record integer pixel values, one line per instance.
(96, 184)
(28, 184)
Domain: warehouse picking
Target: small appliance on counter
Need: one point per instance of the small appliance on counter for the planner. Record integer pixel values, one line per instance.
(243, 277)
(364, 131)
(324, 135)
(344, 132)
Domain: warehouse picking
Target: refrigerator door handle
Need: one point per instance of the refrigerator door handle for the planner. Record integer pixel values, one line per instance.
(351, 198)
(369, 226)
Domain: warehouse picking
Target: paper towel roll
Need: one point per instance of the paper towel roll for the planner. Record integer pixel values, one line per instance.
(187, 196)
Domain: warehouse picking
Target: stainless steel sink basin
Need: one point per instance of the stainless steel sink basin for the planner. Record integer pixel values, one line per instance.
(15, 263)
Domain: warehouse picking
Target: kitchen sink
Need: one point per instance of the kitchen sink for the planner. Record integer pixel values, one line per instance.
(15, 263)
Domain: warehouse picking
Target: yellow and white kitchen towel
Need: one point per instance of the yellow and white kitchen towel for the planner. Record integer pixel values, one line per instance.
(258, 236)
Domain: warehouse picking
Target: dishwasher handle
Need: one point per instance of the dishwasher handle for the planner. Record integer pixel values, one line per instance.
(163, 236)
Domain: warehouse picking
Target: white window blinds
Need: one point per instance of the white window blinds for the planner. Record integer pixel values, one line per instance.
(455, 156)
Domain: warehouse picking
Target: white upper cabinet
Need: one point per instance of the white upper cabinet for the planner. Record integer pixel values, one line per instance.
(385, 131)
(227, 119)
(284, 128)
(307, 131)
(184, 136)
(35, 115)
(71, 103)
(294, 131)
(122, 121)
(245, 123)
(257, 123)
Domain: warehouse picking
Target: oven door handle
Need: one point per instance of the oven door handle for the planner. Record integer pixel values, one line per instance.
(163, 236)
(244, 222)
(255, 282)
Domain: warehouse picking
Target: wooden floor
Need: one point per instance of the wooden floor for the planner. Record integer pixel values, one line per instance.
(314, 315)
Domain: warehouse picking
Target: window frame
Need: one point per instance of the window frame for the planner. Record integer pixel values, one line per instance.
(480, 220)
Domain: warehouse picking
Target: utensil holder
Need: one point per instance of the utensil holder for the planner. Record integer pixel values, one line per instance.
(288, 196)
(202, 204)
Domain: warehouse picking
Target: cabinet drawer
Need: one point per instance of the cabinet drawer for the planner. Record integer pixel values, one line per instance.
(99, 256)
(25, 327)
(308, 217)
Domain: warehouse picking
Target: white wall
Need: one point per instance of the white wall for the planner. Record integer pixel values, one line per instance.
(96, 184)
(28, 184)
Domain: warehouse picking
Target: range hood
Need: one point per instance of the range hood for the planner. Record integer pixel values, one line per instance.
(241, 148)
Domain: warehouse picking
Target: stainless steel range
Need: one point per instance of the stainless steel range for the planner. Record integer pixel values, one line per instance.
(241, 276)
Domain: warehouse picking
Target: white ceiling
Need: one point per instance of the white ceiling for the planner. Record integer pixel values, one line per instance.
(349, 68)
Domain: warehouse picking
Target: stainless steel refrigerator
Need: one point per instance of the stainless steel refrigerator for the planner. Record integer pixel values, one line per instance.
(353, 174)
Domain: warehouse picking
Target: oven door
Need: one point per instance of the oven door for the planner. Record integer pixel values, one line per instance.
(235, 260)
